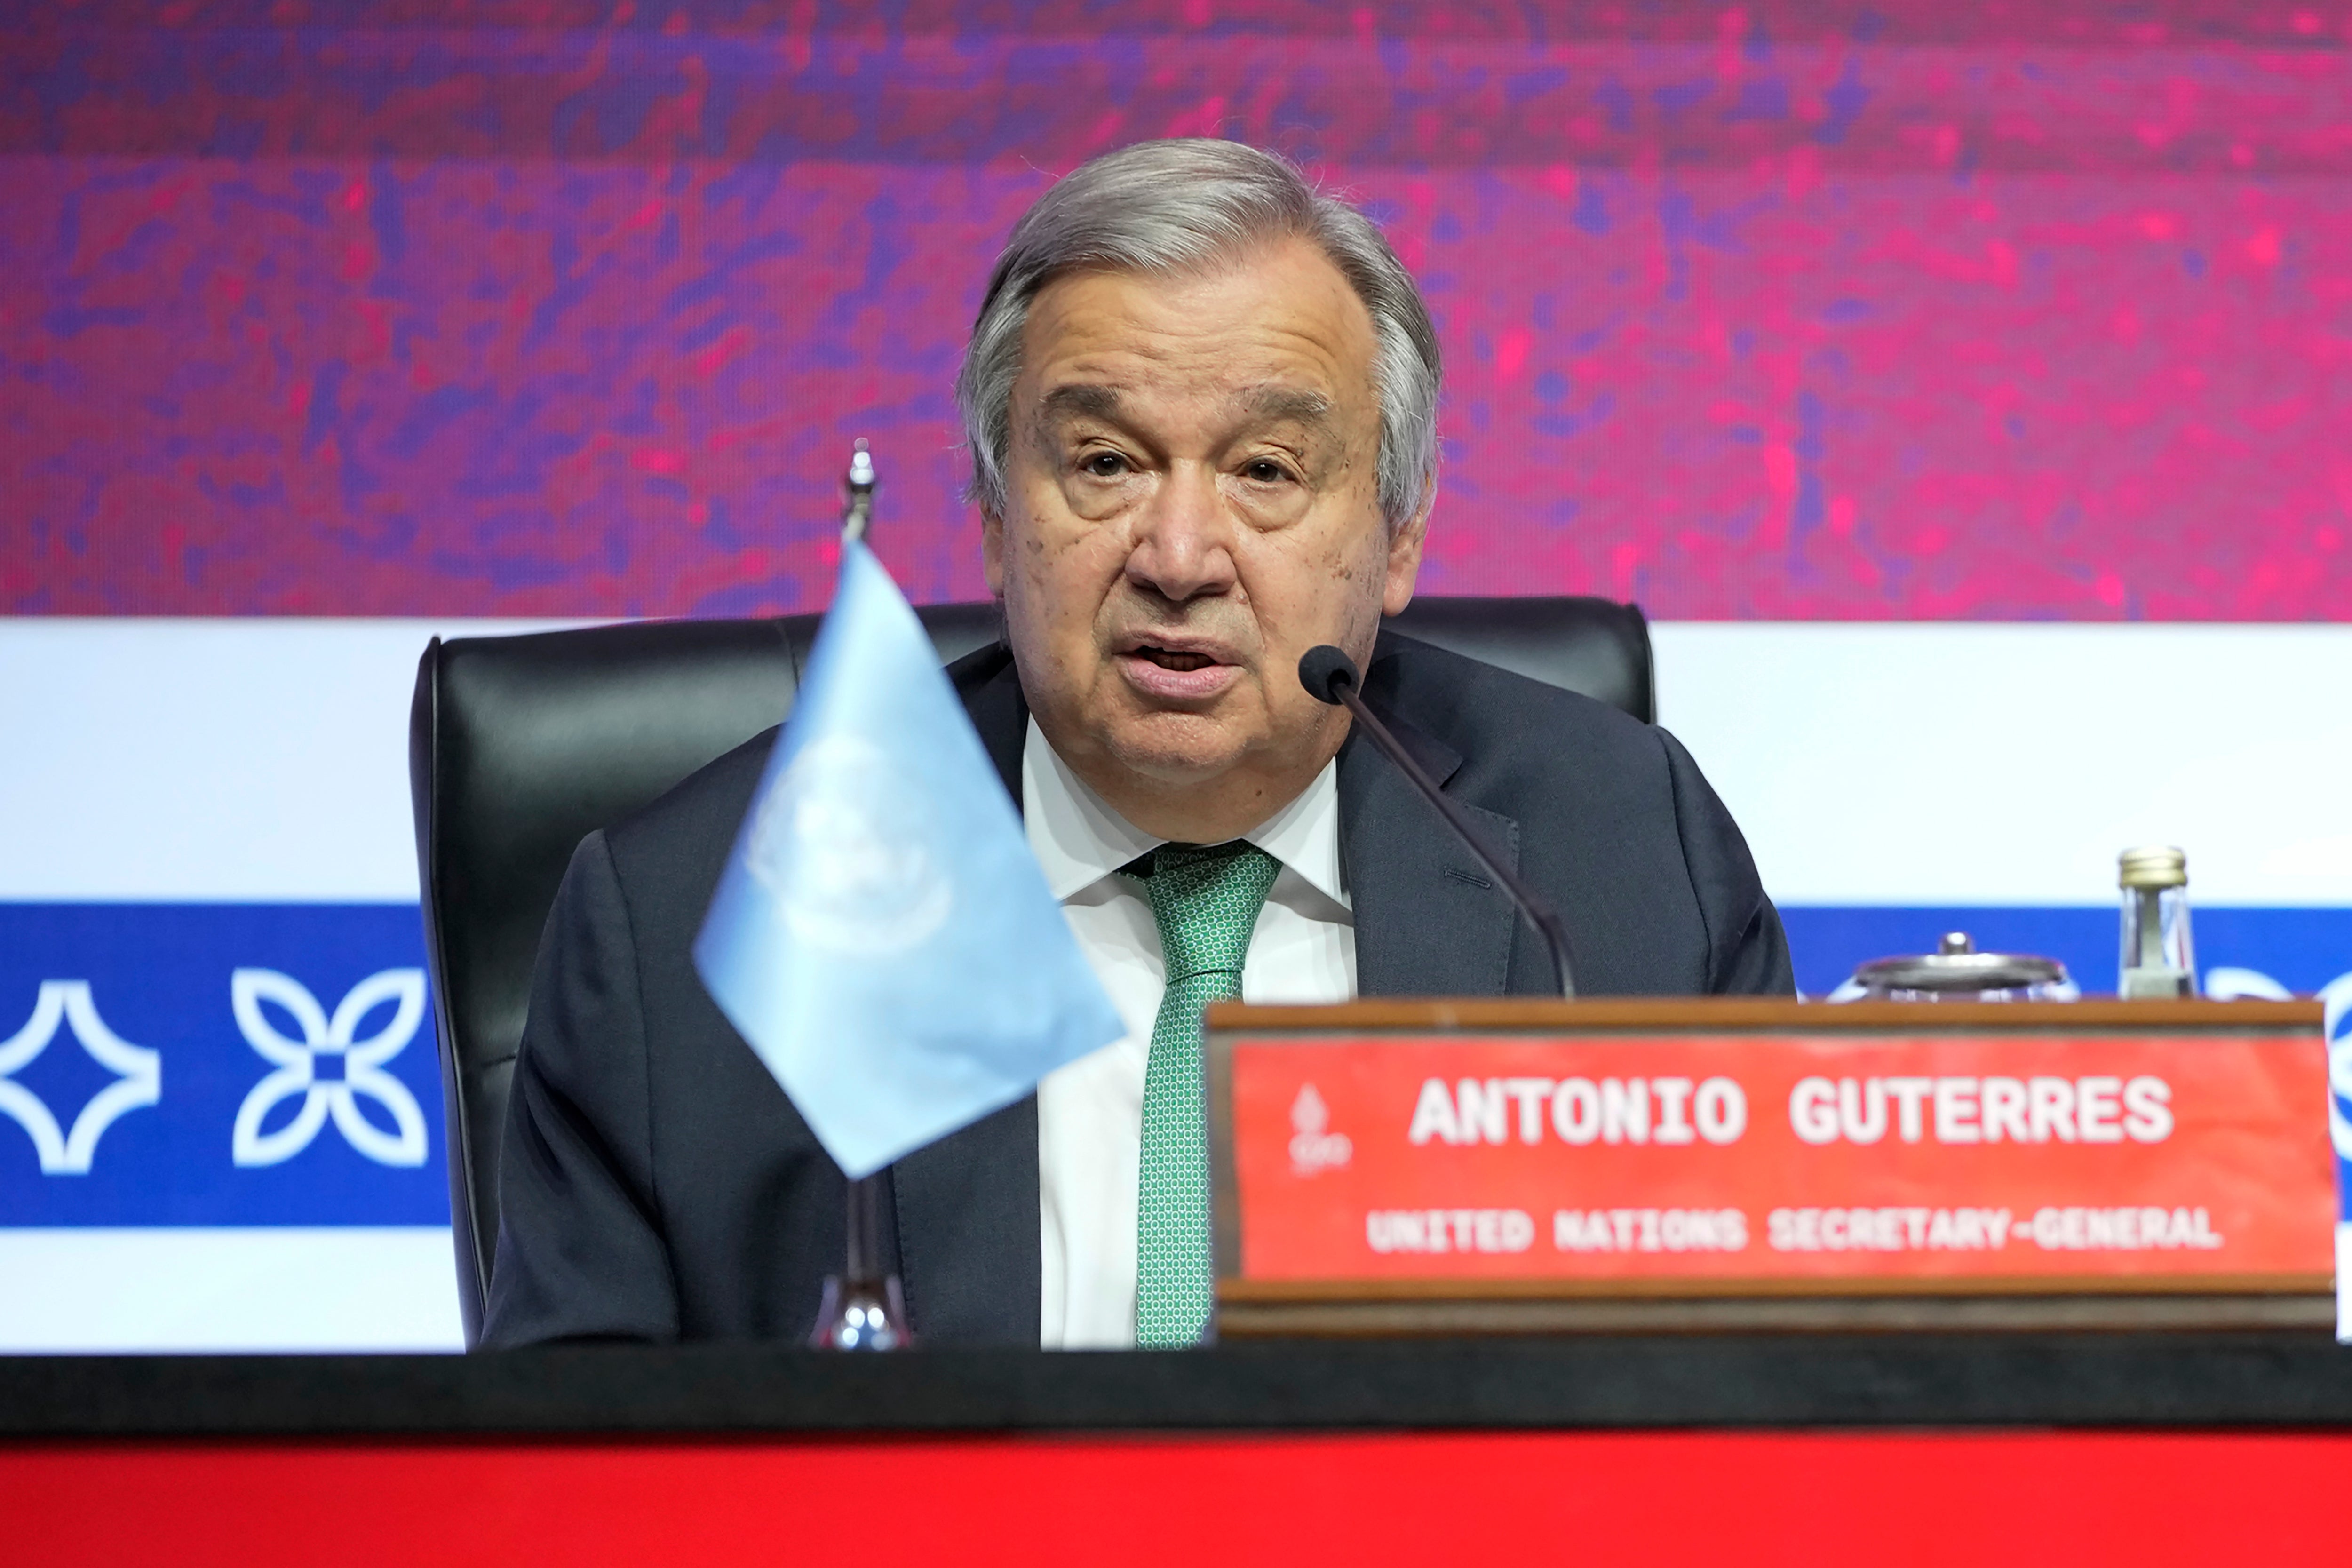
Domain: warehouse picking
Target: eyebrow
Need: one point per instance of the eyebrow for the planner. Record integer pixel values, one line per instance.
(1288, 403)
(1101, 402)
(1266, 402)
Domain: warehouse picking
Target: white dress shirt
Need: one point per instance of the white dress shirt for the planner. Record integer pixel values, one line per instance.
(1090, 1113)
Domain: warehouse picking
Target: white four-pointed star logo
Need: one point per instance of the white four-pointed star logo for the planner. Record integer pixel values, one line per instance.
(138, 1077)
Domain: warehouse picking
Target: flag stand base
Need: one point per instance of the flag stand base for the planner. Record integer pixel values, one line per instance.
(864, 1307)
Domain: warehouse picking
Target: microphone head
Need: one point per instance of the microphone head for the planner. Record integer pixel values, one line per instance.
(1325, 672)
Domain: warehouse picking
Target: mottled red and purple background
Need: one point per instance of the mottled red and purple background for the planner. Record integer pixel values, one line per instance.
(571, 307)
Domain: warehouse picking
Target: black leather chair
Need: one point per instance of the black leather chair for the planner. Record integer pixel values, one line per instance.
(520, 746)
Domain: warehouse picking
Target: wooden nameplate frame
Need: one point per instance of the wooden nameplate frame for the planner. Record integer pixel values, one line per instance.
(1522, 1166)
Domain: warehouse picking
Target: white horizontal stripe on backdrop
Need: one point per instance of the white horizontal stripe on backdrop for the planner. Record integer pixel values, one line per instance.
(317, 1288)
(266, 761)
(1959, 763)
(204, 761)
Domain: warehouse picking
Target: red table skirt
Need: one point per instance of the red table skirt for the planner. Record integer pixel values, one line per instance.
(1510, 1500)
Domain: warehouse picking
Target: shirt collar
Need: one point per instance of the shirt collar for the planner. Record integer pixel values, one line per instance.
(1078, 839)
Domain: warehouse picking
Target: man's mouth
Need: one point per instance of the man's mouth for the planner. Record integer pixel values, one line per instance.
(1174, 659)
(1182, 676)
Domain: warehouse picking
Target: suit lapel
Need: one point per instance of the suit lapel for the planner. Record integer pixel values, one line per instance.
(991, 690)
(967, 1206)
(1429, 919)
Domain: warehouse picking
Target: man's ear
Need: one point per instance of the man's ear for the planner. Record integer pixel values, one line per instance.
(1404, 558)
(992, 552)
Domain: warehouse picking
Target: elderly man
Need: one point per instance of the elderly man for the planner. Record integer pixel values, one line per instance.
(1201, 404)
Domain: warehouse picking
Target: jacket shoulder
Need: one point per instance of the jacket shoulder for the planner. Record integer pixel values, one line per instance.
(1616, 821)
(1473, 707)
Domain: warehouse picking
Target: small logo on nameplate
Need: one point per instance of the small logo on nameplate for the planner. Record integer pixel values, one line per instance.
(1314, 1147)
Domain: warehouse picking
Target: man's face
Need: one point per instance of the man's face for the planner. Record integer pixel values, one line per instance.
(1192, 505)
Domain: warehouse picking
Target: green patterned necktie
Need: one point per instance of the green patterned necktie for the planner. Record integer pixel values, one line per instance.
(1206, 900)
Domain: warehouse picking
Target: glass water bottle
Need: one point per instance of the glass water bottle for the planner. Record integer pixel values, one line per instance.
(2157, 959)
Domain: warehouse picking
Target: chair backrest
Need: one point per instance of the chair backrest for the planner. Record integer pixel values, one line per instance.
(520, 746)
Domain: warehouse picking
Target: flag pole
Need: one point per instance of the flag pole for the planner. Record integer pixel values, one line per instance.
(864, 1306)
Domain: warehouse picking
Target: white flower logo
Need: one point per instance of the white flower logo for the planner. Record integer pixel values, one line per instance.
(138, 1077)
(297, 1068)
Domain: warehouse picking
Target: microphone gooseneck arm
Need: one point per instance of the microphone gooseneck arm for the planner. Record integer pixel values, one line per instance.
(1329, 676)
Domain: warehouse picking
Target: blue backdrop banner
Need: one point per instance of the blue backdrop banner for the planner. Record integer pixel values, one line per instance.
(216, 1065)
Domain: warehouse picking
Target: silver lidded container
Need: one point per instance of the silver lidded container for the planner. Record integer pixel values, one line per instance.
(1957, 972)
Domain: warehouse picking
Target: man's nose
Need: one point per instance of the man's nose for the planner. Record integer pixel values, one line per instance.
(1183, 538)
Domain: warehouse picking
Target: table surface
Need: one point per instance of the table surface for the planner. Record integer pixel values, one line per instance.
(2140, 1380)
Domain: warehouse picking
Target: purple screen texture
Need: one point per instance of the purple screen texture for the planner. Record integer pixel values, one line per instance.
(1913, 310)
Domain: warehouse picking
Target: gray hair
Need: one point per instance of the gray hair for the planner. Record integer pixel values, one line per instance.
(1179, 206)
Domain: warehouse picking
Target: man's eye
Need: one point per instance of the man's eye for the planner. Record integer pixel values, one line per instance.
(1265, 471)
(1103, 464)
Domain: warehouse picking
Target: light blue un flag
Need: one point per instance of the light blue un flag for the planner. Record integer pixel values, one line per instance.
(882, 935)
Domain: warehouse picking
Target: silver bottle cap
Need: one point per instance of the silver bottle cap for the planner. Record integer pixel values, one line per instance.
(2153, 867)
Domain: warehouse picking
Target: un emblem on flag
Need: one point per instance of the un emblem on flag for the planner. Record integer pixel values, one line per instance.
(850, 846)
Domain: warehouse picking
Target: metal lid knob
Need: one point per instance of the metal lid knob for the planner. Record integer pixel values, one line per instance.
(1956, 968)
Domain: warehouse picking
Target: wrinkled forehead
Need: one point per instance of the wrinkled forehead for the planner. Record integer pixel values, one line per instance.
(1276, 336)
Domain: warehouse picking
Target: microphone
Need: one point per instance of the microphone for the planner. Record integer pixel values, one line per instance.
(1329, 676)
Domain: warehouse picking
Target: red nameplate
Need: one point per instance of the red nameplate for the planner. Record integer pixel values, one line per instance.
(2181, 1145)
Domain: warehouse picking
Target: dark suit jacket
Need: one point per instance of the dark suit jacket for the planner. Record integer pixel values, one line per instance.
(657, 1184)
